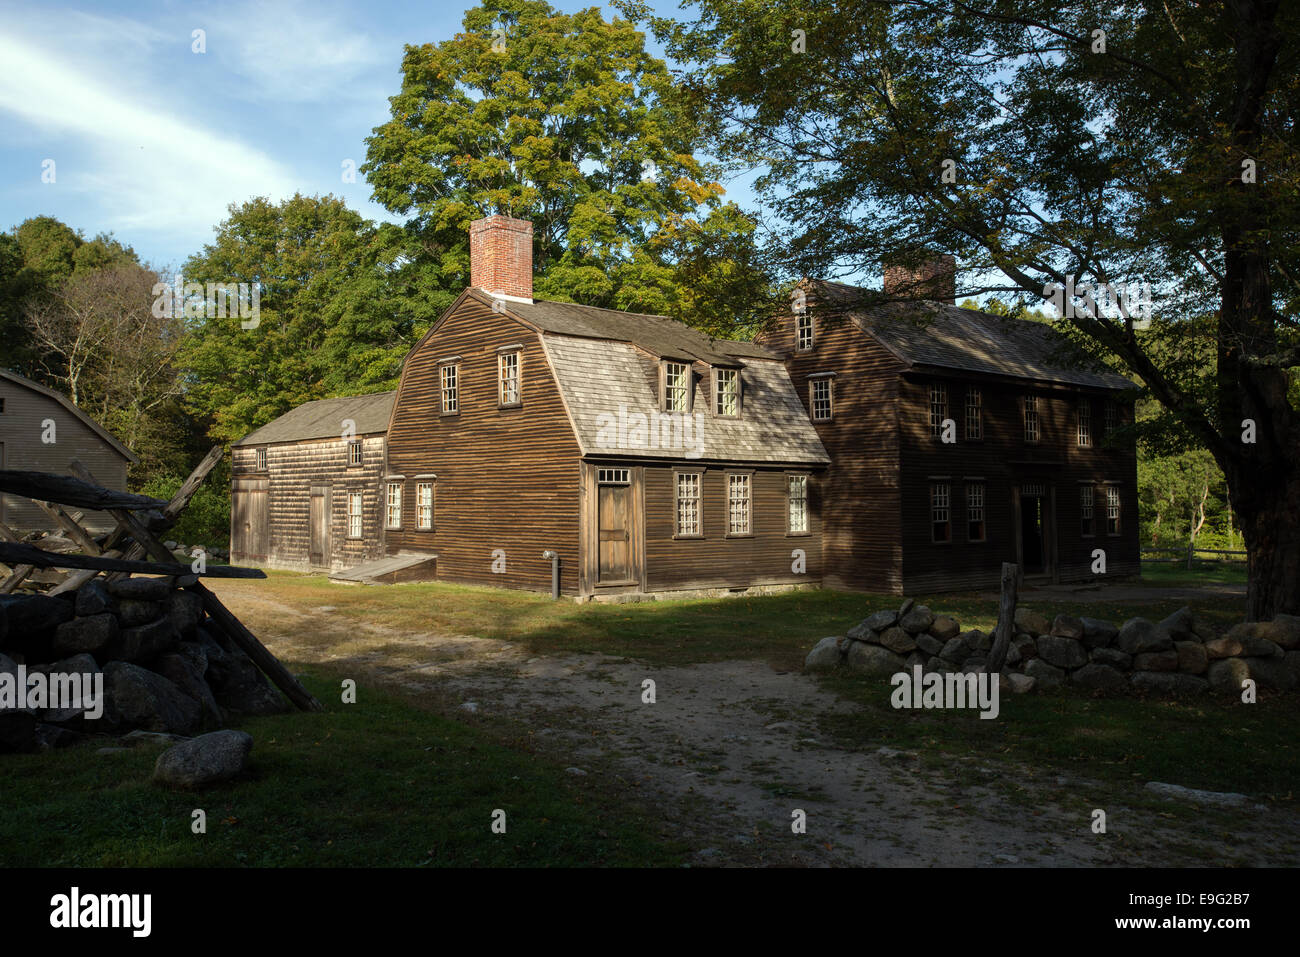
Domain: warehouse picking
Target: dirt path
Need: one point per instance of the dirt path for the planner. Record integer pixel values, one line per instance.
(729, 750)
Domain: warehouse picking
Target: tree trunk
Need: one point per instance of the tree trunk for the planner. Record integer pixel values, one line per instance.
(1270, 525)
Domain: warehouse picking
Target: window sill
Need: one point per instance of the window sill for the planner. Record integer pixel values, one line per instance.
(730, 535)
(798, 534)
(688, 538)
(509, 405)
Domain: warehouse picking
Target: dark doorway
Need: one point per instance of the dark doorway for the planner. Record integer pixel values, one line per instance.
(319, 525)
(1033, 550)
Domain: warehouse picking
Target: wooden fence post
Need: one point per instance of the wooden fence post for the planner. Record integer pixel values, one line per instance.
(1006, 619)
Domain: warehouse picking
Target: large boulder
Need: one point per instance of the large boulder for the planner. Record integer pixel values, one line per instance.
(825, 655)
(1226, 675)
(1099, 677)
(917, 620)
(1098, 633)
(880, 620)
(1020, 684)
(35, 614)
(1192, 657)
(1067, 626)
(184, 611)
(898, 640)
(241, 688)
(1284, 630)
(1113, 657)
(874, 660)
(1242, 645)
(93, 598)
(87, 634)
(143, 642)
(944, 628)
(1271, 673)
(141, 589)
(203, 761)
(977, 641)
(955, 650)
(1032, 622)
(1156, 661)
(929, 644)
(72, 679)
(132, 612)
(184, 668)
(1137, 636)
(1046, 675)
(1181, 625)
(142, 699)
(1062, 652)
(1026, 645)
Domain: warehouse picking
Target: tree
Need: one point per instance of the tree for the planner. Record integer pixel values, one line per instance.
(1052, 143)
(565, 120)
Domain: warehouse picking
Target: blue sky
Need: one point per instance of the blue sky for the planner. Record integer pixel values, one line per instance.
(152, 141)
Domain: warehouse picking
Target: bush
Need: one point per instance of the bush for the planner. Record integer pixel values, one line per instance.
(206, 520)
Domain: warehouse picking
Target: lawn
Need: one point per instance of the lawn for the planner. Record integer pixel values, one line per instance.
(382, 782)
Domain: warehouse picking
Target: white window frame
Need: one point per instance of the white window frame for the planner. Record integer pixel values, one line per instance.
(938, 408)
(1113, 510)
(726, 385)
(424, 510)
(261, 459)
(827, 403)
(355, 504)
(805, 332)
(940, 510)
(1033, 433)
(796, 509)
(449, 388)
(740, 504)
(688, 488)
(393, 505)
(1084, 414)
(975, 498)
(1087, 497)
(510, 371)
(681, 391)
(974, 414)
(355, 453)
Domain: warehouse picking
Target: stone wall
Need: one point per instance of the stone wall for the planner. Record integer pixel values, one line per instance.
(1181, 655)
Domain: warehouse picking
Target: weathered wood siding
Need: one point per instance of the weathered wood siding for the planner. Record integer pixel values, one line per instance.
(21, 447)
(1002, 461)
(719, 561)
(292, 469)
(507, 478)
(861, 528)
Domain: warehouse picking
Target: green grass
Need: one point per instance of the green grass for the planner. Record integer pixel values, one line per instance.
(379, 783)
(1202, 573)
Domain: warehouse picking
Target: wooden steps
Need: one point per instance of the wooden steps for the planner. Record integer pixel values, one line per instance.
(390, 570)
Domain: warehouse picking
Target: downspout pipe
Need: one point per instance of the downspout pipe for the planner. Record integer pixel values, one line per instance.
(555, 571)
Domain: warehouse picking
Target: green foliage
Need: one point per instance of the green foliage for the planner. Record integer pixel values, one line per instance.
(206, 520)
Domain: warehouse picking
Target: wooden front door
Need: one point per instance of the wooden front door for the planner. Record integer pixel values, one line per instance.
(614, 521)
(250, 526)
(319, 523)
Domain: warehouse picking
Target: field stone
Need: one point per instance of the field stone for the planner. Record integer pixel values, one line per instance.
(1227, 675)
(860, 632)
(944, 628)
(880, 620)
(1168, 683)
(141, 589)
(143, 642)
(1203, 629)
(1192, 657)
(1100, 677)
(1067, 626)
(955, 650)
(977, 640)
(81, 664)
(824, 656)
(206, 760)
(874, 660)
(1138, 635)
(142, 699)
(1021, 684)
(82, 634)
(1032, 622)
(1026, 645)
(132, 612)
(1113, 657)
(898, 640)
(185, 671)
(1013, 656)
(1098, 633)
(93, 599)
(842, 643)
(916, 659)
(1251, 641)
(1292, 660)
(1062, 652)
(1284, 630)
(1181, 625)
(1047, 675)
(184, 610)
(1156, 661)
(929, 644)
(917, 620)
(906, 606)
(51, 736)
(1271, 673)
(36, 614)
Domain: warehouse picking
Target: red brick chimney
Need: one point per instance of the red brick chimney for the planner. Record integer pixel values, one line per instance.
(501, 256)
(933, 279)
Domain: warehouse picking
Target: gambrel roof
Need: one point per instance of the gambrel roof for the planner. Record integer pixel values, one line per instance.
(66, 403)
(936, 335)
(325, 418)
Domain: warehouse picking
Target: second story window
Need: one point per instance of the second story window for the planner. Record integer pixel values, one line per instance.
(508, 375)
(450, 375)
(1031, 418)
(938, 408)
(1085, 424)
(677, 393)
(727, 392)
(974, 414)
(803, 331)
(354, 452)
(261, 460)
(821, 399)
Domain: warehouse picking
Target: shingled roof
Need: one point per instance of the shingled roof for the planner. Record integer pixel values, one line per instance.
(324, 418)
(936, 335)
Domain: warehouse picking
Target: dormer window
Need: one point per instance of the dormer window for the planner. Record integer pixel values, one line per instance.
(676, 386)
(508, 374)
(803, 331)
(726, 392)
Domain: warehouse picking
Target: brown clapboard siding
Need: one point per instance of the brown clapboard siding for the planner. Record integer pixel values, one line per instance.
(862, 547)
(1002, 460)
(506, 478)
(292, 469)
(715, 560)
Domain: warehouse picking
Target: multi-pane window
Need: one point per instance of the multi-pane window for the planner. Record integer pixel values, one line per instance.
(940, 513)
(450, 389)
(1031, 418)
(354, 515)
(394, 505)
(798, 504)
(727, 389)
(975, 513)
(424, 505)
(688, 503)
(1112, 510)
(261, 460)
(1085, 510)
(1085, 424)
(677, 377)
(614, 476)
(1111, 421)
(938, 408)
(974, 414)
(738, 502)
(803, 335)
(354, 452)
(822, 398)
(508, 374)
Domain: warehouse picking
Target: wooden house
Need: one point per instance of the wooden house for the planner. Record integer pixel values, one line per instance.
(959, 440)
(305, 488)
(42, 431)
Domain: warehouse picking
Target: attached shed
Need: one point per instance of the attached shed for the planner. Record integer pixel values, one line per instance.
(42, 431)
(305, 488)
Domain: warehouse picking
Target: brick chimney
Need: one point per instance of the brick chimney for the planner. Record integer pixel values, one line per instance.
(935, 278)
(501, 257)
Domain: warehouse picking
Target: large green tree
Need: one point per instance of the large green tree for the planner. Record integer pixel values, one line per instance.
(1052, 141)
(565, 120)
